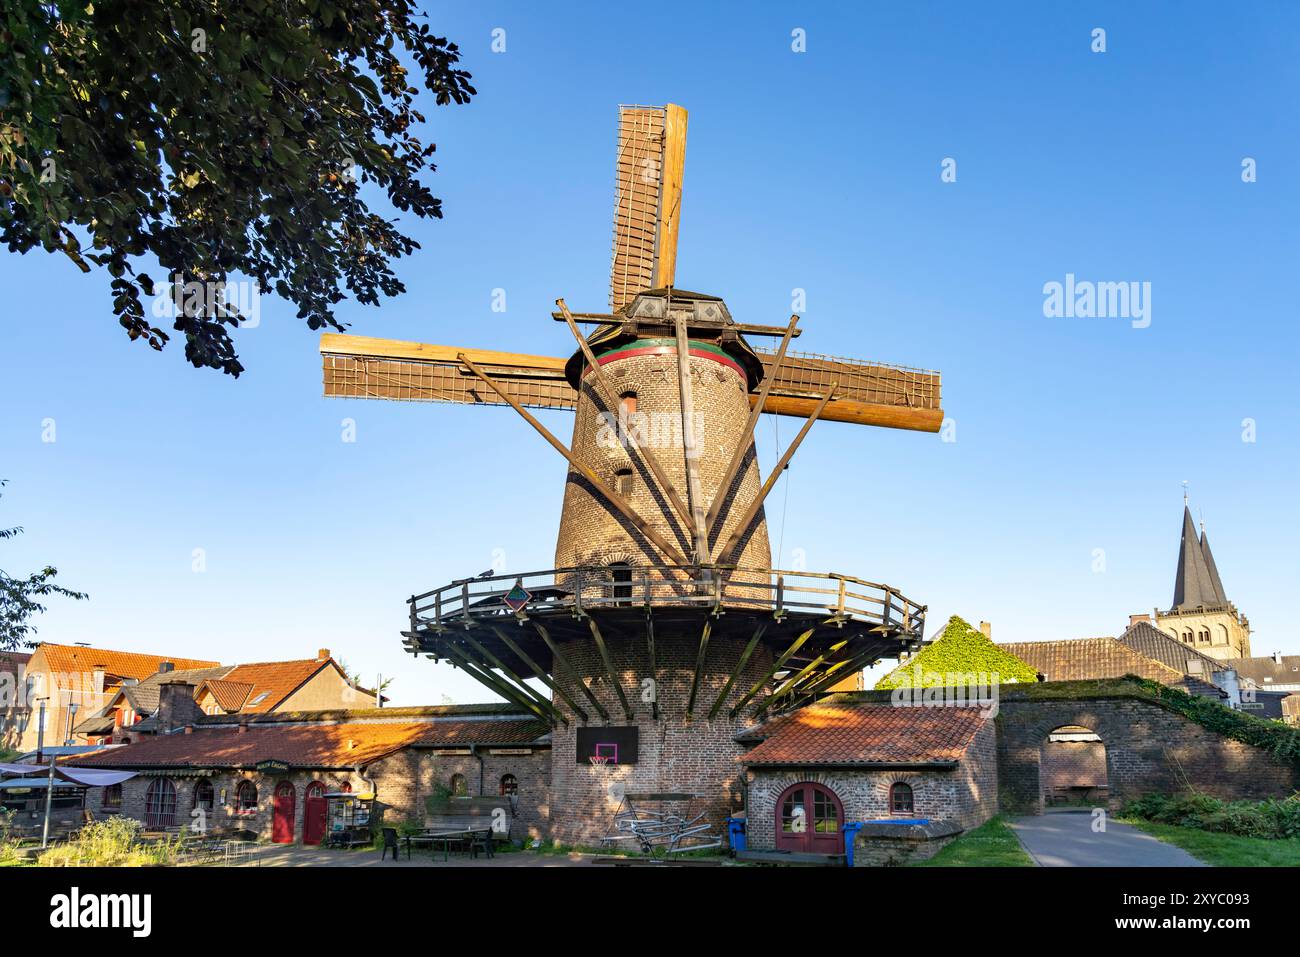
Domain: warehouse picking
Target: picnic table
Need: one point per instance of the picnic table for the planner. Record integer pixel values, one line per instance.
(471, 832)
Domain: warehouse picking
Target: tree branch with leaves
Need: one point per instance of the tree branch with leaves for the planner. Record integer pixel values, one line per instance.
(219, 138)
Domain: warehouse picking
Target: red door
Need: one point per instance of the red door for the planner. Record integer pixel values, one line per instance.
(313, 814)
(809, 819)
(282, 819)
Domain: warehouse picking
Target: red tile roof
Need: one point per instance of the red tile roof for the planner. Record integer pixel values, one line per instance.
(229, 695)
(868, 734)
(314, 745)
(275, 680)
(71, 659)
(1083, 659)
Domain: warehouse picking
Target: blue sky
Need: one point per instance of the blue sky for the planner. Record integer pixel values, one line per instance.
(817, 170)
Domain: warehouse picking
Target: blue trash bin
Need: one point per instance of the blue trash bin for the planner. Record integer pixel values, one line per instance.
(736, 833)
(850, 838)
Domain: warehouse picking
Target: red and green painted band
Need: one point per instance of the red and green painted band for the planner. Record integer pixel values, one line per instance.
(662, 347)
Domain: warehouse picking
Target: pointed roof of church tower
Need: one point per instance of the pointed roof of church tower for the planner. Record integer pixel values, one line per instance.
(1220, 596)
(1194, 585)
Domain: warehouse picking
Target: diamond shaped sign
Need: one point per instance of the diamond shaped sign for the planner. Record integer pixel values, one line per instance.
(517, 597)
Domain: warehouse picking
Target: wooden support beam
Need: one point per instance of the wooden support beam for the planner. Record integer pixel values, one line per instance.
(794, 679)
(776, 666)
(672, 170)
(747, 435)
(690, 446)
(614, 405)
(740, 666)
(577, 679)
(654, 662)
(837, 671)
(699, 665)
(492, 682)
(609, 666)
(748, 517)
(541, 673)
(511, 676)
(620, 503)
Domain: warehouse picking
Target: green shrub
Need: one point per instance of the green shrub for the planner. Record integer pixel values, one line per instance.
(112, 842)
(961, 654)
(1267, 819)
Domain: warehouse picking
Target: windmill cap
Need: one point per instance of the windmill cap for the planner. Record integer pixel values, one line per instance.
(647, 315)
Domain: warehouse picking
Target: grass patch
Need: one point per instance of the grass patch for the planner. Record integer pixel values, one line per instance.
(1224, 850)
(992, 844)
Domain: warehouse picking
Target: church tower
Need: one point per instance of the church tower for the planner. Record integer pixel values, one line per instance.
(1201, 615)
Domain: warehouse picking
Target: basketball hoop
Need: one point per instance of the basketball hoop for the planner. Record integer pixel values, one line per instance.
(601, 760)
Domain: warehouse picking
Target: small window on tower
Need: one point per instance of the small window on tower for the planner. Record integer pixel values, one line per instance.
(620, 574)
(623, 481)
(627, 403)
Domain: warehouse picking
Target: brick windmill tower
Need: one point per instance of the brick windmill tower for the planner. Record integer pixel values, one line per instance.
(663, 629)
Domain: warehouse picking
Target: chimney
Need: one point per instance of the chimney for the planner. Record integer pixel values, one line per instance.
(1134, 619)
(322, 654)
(97, 679)
(176, 706)
(189, 729)
(986, 629)
(243, 726)
(166, 667)
(1277, 657)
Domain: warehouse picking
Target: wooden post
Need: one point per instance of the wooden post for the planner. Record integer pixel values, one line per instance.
(776, 666)
(609, 667)
(743, 525)
(577, 679)
(670, 195)
(747, 436)
(490, 681)
(511, 676)
(735, 672)
(700, 659)
(541, 673)
(654, 663)
(796, 678)
(610, 495)
(690, 449)
(613, 404)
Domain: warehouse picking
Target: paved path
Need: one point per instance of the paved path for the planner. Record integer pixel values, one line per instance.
(1066, 839)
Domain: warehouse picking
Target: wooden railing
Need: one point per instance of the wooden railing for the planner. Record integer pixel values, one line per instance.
(580, 590)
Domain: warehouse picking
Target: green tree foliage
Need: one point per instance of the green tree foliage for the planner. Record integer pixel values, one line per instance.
(19, 597)
(218, 138)
(959, 650)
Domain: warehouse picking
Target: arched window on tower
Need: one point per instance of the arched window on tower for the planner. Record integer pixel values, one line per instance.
(623, 481)
(620, 574)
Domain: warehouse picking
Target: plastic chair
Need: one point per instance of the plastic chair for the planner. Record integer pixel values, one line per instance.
(390, 842)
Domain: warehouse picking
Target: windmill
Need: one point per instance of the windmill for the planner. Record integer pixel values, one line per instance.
(663, 628)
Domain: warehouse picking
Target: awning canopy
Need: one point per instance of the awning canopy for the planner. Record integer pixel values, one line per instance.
(86, 777)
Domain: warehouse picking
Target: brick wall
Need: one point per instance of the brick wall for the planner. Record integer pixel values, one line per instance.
(676, 753)
(406, 781)
(1073, 764)
(965, 797)
(592, 532)
(224, 784)
(1148, 749)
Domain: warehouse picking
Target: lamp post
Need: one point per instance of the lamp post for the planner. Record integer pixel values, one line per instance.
(72, 722)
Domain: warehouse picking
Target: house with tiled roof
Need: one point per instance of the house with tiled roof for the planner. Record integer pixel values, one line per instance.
(299, 685)
(1083, 659)
(271, 773)
(74, 682)
(866, 760)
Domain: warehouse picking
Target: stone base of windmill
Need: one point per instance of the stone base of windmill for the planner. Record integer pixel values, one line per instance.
(671, 753)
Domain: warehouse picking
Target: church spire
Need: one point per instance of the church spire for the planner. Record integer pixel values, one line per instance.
(1220, 596)
(1194, 585)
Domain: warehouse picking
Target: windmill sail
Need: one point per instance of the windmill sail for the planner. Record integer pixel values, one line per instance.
(868, 393)
(647, 199)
